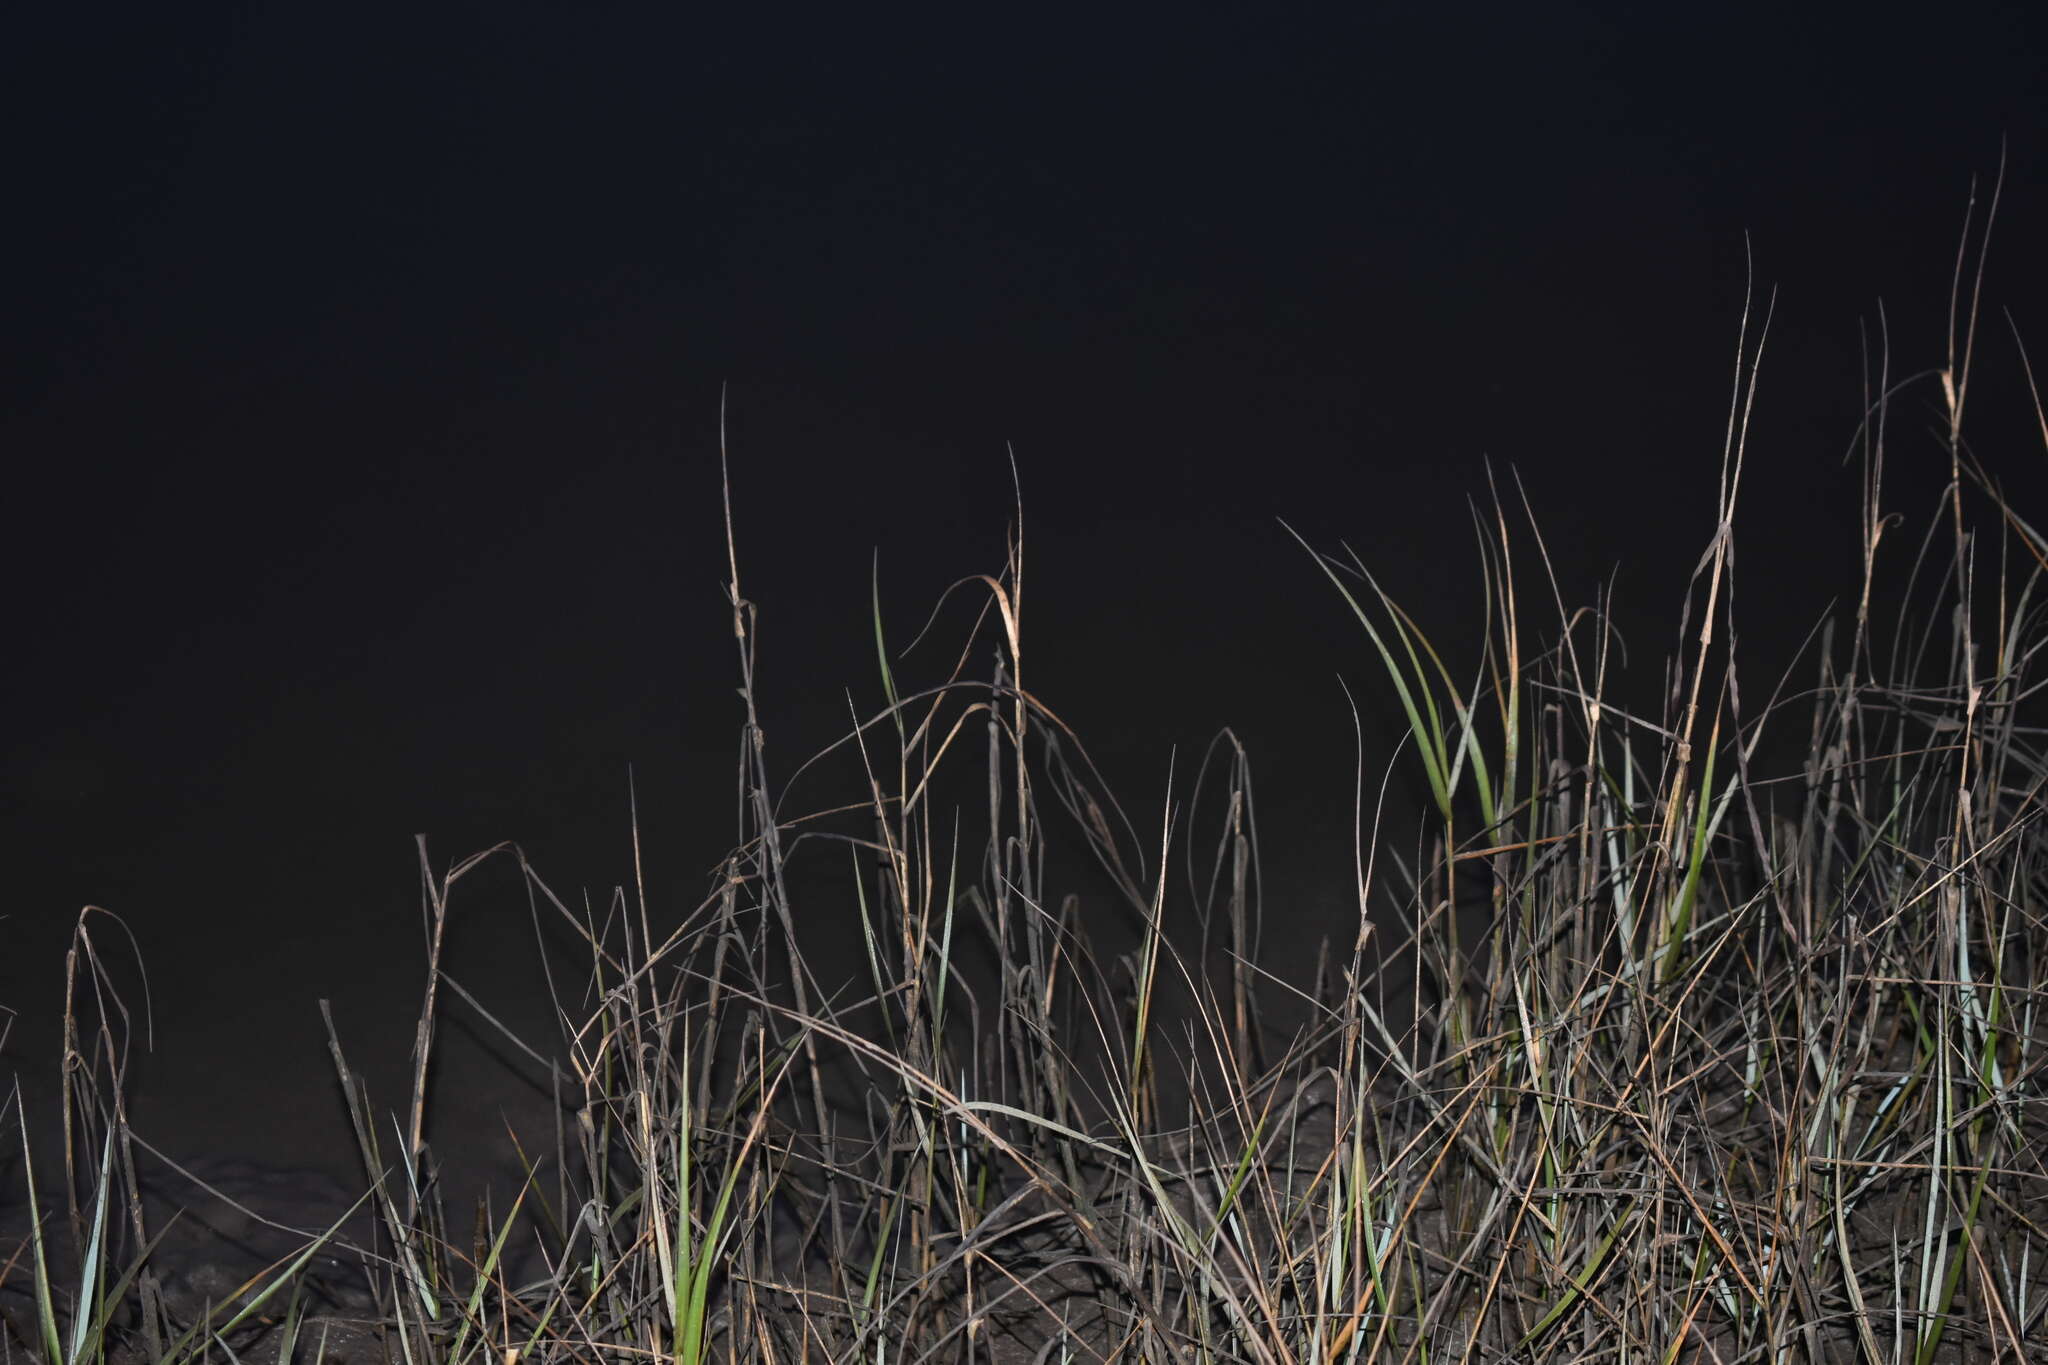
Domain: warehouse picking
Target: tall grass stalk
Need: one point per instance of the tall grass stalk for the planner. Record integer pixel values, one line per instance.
(1651, 1054)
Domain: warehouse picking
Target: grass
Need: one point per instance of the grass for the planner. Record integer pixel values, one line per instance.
(1740, 1066)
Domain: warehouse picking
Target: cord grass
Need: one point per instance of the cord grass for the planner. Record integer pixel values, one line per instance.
(1739, 1065)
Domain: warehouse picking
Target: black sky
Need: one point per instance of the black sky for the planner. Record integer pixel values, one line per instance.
(363, 371)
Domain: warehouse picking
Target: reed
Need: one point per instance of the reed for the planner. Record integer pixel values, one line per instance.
(1739, 1065)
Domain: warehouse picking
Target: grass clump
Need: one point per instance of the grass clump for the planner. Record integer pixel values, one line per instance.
(1648, 1055)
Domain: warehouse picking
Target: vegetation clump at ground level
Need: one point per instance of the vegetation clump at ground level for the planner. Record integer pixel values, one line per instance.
(1641, 1053)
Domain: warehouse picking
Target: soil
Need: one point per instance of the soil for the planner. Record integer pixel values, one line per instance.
(220, 1241)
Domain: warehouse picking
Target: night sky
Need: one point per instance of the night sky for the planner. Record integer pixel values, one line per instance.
(363, 371)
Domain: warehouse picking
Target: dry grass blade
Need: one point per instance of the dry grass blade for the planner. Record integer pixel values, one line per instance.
(1651, 1051)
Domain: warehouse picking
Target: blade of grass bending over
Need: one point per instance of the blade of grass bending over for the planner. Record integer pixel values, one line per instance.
(1443, 755)
(1714, 1052)
(1418, 702)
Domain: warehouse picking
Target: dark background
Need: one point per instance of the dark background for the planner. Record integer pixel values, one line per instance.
(362, 382)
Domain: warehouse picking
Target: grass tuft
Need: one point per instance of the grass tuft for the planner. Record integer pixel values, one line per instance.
(1739, 1065)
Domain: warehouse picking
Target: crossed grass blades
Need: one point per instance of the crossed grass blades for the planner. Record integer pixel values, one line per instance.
(1638, 1054)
